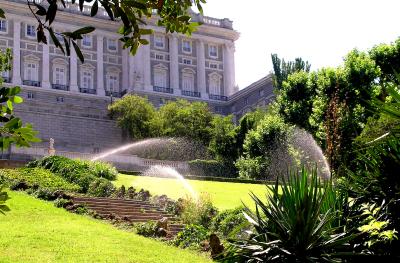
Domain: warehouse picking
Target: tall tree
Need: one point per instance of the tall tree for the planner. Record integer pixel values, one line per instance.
(283, 69)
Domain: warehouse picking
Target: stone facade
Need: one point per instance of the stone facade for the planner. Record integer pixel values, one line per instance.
(67, 100)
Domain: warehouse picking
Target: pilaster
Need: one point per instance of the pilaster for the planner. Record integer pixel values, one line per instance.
(16, 78)
(46, 65)
(125, 69)
(229, 68)
(131, 61)
(174, 64)
(147, 65)
(201, 71)
(100, 66)
(73, 63)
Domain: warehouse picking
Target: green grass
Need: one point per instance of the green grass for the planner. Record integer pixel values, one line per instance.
(224, 195)
(36, 231)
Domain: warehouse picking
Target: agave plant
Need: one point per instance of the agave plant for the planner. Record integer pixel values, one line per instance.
(299, 222)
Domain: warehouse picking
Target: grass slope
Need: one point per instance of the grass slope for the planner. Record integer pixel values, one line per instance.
(36, 231)
(224, 195)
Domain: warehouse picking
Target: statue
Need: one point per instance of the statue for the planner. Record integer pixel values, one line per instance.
(51, 149)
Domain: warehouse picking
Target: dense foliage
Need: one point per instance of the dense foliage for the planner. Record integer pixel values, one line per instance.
(211, 168)
(36, 178)
(173, 15)
(198, 210)
(92, 177)
(191, 236)
(3, 198)
(299, 222)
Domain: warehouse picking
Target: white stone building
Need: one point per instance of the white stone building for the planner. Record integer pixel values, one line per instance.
(67, 100)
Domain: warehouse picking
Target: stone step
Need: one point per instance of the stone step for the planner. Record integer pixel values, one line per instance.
(121, 207)
(111, 200)
(122, 204)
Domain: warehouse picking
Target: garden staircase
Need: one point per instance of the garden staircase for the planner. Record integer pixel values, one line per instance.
(130, 210)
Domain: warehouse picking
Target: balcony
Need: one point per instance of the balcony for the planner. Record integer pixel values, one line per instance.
(32, 83)
(218, 97)
(190, 93)
(116, 94)
(6, 79)
(163, 90)
(88, 91)
(60, 87)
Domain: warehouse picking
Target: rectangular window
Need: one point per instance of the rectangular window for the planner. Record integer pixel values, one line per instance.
(159, 57)
(160, 78)
(213, 51)
(87, 82)
(59, 76)
(3, 26)
(112, 83)
(31, 71)
(213, 66)
(60, 99)
(30, 31)
(87, 41)
(112, 44)
(159, 41)
(187, 61)
(187, 46)
(246, 101)
(31, 95)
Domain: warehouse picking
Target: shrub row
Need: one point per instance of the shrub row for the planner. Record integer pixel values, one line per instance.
(37, 178)
(212, 168)
(92, 177)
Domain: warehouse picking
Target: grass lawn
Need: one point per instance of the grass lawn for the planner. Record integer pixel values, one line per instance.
(36, 231)
(224, 195)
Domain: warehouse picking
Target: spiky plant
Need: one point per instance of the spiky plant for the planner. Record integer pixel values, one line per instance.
(299, 222)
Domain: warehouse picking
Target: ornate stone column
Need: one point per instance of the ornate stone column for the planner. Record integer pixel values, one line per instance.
(229, 68)
(147, 65)
(100, 67)
(46, 65)
(174, 64)
(125, 69)
(16, 78)
(131, 62)
(201, 70)
(73, 71)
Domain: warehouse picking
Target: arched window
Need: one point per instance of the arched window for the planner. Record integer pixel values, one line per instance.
(215, 84)
(160, 76)
(188, 79)
(112, 79)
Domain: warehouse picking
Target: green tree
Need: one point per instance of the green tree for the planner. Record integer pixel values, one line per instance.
(134, 116)
(173, 15)
(295, 98)
(283, 69)
(223, 141)
(184, 119)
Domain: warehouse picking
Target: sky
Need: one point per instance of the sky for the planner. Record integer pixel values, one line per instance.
(320, 31)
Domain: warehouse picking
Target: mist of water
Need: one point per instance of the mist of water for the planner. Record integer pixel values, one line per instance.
(169, 172)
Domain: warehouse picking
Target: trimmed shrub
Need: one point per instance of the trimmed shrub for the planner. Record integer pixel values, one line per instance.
(79, 172)
(191, 237)
(229, 223)
(212, 168)
(147, 229)
(200, 211)
(101, 187)
(37, 178)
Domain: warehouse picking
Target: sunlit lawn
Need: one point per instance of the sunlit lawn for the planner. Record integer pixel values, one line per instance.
(224, 195)
(36, 231)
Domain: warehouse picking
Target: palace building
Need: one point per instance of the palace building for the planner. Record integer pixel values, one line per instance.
(67, 100)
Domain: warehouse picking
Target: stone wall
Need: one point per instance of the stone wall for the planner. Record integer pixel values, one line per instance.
(76, 122)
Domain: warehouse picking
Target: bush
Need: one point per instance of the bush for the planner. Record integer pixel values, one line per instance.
(61, 202)
(229, 222)
(191, 236)
(301, 221)
(37, 178)
(79, 172)
(199, 212)
(101, 187)
(212, 168)
(147, 229)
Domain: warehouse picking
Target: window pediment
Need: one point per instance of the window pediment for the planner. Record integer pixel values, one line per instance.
(31, 58)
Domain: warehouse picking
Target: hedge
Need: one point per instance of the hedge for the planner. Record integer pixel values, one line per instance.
(37, 178)
(212, 168)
